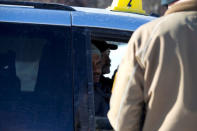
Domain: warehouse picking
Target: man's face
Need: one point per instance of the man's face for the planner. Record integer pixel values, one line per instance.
(106, 62)
(97, 67)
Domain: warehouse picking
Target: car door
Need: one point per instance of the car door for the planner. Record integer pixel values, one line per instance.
(96, 24)
(85, 118)
(36, 70)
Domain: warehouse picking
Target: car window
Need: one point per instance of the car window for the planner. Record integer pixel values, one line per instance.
(109, 53)
(116, 57)
(35, 78)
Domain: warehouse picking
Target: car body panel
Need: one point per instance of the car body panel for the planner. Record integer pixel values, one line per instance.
(28, 14)
(104, 18)
(82, 17)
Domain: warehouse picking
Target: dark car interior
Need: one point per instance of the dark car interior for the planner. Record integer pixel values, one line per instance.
(34, 82)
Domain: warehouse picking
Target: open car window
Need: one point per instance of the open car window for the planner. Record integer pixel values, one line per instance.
(109, 53)
(116, 57)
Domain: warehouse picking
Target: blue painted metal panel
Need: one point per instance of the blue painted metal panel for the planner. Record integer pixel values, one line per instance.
(103, 18)
(36, 16)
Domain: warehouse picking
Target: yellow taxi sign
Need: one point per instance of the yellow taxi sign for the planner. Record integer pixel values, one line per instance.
(134, 6)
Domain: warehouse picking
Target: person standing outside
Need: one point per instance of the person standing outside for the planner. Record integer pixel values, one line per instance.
(157, 76)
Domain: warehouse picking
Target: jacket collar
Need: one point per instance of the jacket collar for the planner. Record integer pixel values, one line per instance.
(183, 6)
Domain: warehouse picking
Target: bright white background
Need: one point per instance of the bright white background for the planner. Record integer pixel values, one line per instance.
(116, 56)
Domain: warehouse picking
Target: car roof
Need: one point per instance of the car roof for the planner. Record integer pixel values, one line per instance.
(104, 18)
(74, 16)
(28, 14)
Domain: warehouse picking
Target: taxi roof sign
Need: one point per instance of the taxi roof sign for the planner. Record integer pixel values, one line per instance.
(134, 6)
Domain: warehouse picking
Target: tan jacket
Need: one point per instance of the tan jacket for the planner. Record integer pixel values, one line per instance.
(160, 70)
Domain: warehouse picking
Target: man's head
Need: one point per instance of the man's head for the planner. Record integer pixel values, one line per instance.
(104, 47)
(96, 63)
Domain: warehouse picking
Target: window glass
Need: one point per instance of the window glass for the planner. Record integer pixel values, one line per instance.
(35, 78)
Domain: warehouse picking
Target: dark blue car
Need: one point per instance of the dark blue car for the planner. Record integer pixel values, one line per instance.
(46, 79)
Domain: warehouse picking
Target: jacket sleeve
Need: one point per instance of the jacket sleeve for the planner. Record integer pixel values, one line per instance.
(126, 104)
